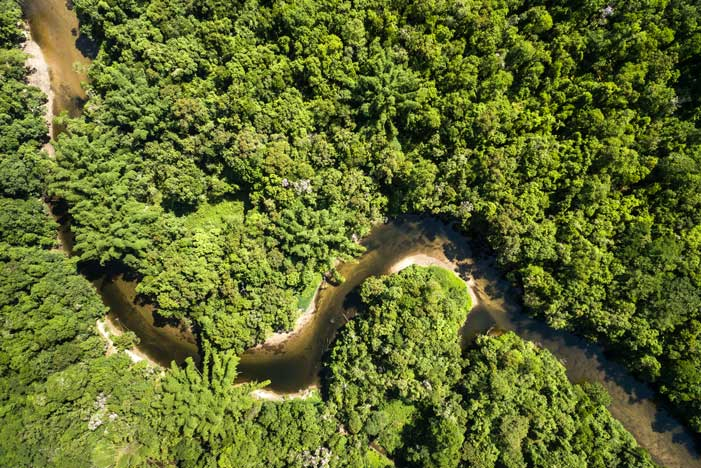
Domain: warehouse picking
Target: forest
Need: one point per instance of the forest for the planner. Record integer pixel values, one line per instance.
(398, 380)
(568, 133)
(231, 152)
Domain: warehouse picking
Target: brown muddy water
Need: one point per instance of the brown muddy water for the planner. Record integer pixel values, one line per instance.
(296, 363)
(161, 342)
(55, 28)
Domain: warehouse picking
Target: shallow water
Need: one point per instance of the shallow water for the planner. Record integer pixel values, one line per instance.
(55, 28)
(161, 342)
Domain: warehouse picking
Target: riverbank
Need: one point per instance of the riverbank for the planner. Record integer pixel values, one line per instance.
(107, 329)
(40, 77)
(271, 395)
(425, 260)
(420, 259)
(277, 339)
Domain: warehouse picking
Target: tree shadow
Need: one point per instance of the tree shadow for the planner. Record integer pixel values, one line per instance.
(86, 46)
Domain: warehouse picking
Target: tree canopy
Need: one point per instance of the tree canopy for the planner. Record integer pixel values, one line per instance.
(400, 382)
(567, 132)
(230, 153)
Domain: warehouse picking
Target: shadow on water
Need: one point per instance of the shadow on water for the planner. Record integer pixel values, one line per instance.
(632, 402)
(86, 46)
(161, 339)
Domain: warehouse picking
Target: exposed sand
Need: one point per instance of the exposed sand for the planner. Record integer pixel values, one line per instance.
(422, 260)
(102, 329)
(307, 316)
(263, 394)
(276, 339)
(107, 328)
(427, 260)
(40, 77)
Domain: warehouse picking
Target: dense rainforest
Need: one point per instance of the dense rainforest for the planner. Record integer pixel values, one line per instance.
(231, 151)
(397, 378)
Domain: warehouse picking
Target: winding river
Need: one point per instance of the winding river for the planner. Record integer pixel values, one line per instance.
(295, 363)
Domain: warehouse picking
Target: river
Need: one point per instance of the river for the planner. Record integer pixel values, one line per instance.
(55, 28)
(295, 364)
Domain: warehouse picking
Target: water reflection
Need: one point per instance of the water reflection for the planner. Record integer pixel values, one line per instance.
(55, 28)
(161, 341)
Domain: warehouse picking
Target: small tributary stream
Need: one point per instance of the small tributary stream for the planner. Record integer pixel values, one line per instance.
(295, 363)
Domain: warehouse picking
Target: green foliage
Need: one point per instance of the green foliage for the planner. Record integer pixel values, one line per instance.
(126, 340)
(307, 295)
(48, 314)
(62, 402)
(508, 404)
(199, 411)
(524, 412)
(26, 223)
(21, 108)
(386, 352)
(10, 16)
(231, 151)
(22, 174)
(22, 125)
(568, 132)
(87, 414)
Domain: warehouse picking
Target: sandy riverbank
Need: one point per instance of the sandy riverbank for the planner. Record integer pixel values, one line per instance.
(428, 260)
(107, 329)
(264, 394)
(276, 339)
(40, 77)
(405, 262)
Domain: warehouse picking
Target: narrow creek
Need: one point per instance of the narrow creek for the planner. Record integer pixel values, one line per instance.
(294, 364)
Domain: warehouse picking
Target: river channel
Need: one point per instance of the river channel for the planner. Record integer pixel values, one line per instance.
(295, 364)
